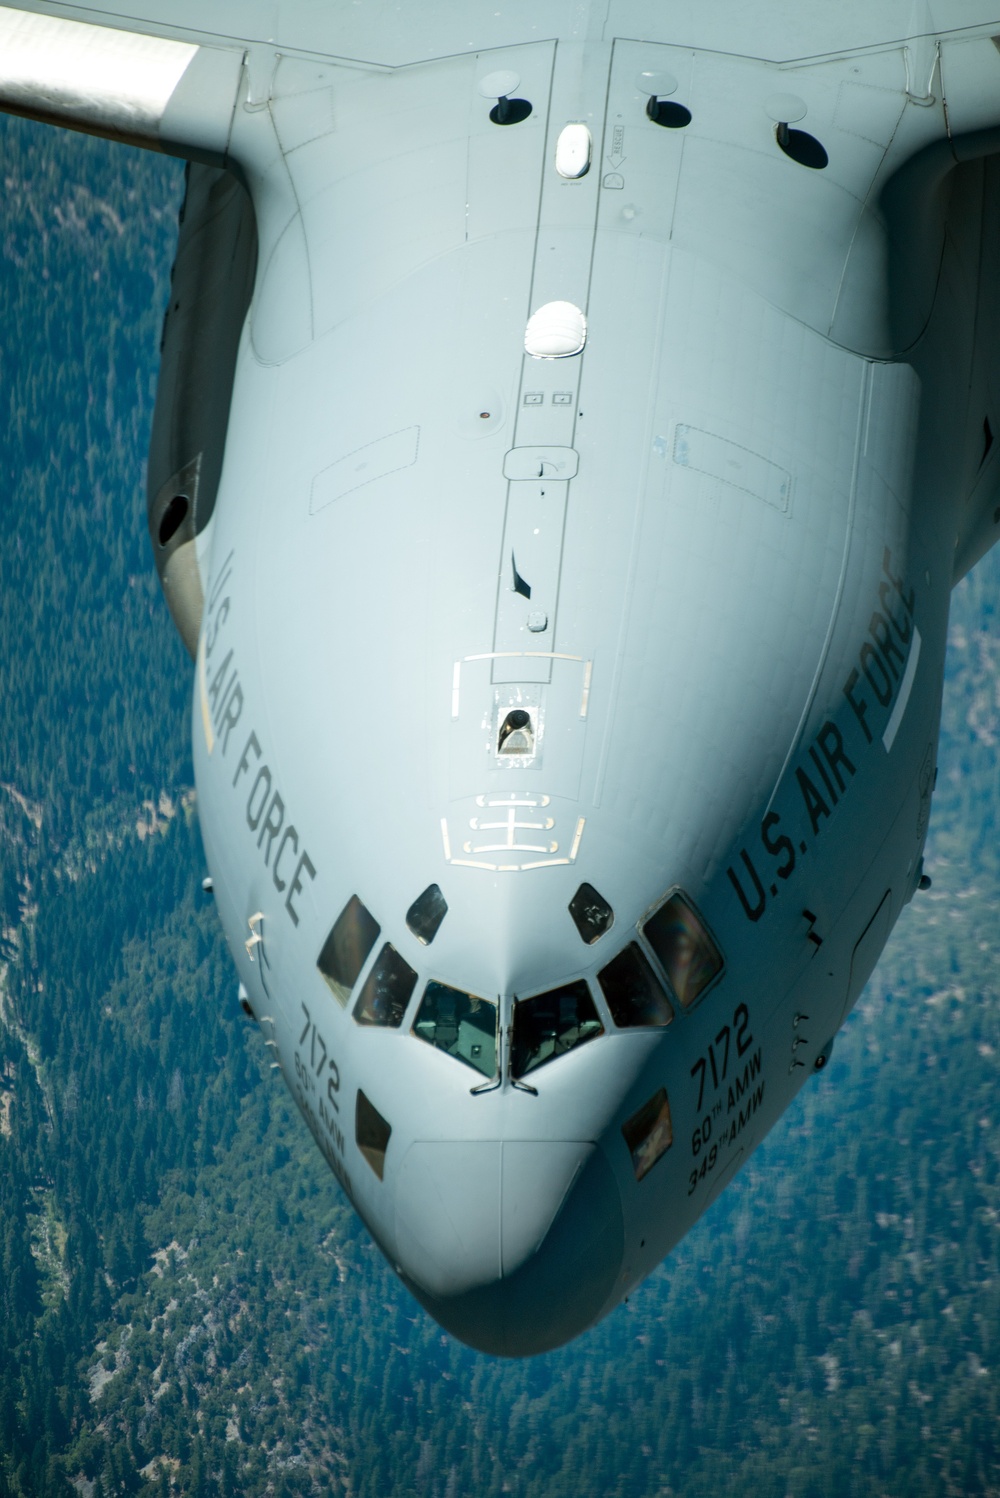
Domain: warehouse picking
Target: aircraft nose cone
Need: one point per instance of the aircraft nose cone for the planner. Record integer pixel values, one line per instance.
(513, 1246)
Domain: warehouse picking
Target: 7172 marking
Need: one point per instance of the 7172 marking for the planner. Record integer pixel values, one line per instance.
(720, 1049)
(319, 1057)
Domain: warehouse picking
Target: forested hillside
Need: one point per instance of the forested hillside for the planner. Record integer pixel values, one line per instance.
(187, 1305)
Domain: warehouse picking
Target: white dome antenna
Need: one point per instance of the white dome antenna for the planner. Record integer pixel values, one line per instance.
(556, 331)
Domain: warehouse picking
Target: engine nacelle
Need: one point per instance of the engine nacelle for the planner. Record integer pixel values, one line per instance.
(211, 287)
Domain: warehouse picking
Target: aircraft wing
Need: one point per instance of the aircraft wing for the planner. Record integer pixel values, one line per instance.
(389, 34)
(167, 74)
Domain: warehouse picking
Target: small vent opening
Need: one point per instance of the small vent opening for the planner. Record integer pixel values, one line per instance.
(801, 147)
(510, 111)
(668, 113)
(173, 518)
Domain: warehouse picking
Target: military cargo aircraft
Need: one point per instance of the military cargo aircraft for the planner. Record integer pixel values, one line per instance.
(572, 420)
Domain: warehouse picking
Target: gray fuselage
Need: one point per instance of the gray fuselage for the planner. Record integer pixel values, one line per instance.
(707, 560)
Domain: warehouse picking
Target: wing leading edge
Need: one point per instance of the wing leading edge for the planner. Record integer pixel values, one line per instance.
(373, 32)
(148, 91)
(167, 76)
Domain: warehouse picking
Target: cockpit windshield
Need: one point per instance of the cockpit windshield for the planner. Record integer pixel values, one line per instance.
(459, 1023)
(386, 991)
(550, 1024)
(634, 993)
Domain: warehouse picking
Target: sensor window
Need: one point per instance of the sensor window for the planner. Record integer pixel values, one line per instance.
(516, 735)
(372, 1134)
(591, 913)
(649, 1133)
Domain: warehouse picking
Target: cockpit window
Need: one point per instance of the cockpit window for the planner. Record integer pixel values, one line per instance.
(634, 993)
(551, 1024)
(649, 1133)
(346, 949)
(687, 953)
(592, 913)
(386, 991)
(461, 1024)
(426, 914)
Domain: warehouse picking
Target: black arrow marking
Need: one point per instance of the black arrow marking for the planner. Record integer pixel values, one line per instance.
(811, 934)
